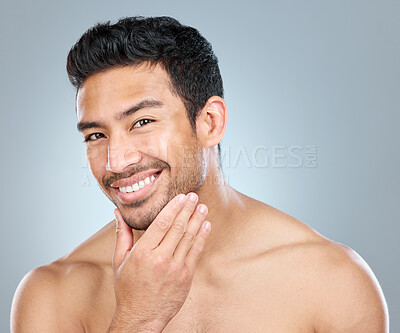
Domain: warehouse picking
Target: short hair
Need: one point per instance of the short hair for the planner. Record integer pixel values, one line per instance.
(182, 51)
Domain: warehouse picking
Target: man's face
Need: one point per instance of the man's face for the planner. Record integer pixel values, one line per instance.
(140, 145)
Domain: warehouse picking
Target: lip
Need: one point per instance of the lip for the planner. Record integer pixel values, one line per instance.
(135, 178)
(139, 194)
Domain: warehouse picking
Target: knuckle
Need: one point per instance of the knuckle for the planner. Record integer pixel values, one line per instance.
(119, 233)
(188, 237)
(161, 261)
(185, 276)
(174, 268)
(163, 224)
(197, 248)
(179, 227)
(189, 207)
(141, 254)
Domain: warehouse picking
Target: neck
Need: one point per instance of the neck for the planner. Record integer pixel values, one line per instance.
(225, 207)
(225, 210)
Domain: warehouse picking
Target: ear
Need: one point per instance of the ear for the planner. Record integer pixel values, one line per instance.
(211, 122)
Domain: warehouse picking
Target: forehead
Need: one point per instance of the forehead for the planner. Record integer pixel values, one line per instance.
(117, 88)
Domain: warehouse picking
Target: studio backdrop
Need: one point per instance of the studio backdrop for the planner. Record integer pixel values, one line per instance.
(313, 95)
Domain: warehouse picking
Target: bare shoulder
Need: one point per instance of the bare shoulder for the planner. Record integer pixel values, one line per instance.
(342, 289)
(346, 294)
(52, 298)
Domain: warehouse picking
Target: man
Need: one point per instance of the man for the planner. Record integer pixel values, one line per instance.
(150, 108)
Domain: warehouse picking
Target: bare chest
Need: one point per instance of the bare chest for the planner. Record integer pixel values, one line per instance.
(239, 308)
(241, 302)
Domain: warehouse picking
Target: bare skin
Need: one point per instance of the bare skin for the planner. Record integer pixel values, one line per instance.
(257, 270)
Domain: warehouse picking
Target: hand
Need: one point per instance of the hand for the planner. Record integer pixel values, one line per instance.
(152, 278)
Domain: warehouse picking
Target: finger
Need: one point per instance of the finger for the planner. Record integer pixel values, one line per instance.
(197, 247)
(159, 227)
(123, 240)
(190, 235)
(178, 227)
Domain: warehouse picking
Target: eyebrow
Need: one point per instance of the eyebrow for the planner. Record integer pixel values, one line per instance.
(146, 103)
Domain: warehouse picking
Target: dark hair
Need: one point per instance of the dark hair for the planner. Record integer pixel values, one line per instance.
(182, 52)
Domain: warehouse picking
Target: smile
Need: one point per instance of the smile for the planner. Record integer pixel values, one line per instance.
(137, 186)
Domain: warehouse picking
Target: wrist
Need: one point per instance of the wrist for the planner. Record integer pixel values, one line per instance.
(121, 324)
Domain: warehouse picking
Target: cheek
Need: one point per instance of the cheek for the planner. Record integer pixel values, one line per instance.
(184, 154)
(97, 159)
(155, 146)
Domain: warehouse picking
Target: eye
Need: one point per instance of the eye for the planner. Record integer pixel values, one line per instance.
(141, 122)
(94, 137)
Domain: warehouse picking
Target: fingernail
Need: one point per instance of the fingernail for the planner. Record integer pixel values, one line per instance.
(207, 226)
(193, 197)
(202, 209)
(181, 198)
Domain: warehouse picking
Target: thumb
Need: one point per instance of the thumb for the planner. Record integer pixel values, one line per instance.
(123, 240)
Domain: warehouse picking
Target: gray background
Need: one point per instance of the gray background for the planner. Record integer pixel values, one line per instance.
(296, 73)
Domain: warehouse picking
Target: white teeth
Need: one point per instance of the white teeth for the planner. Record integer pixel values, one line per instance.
(137, 186)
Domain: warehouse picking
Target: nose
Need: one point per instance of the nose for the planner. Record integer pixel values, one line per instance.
(121, 155)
